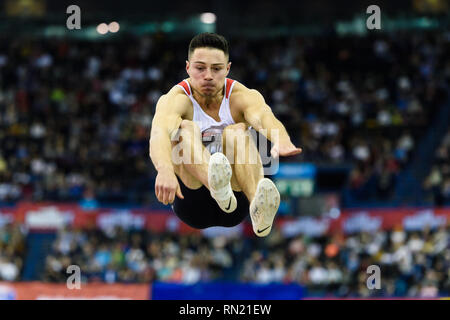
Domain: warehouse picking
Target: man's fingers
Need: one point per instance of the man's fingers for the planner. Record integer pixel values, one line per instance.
(159, 190)
(291, 152)
(166, 194)
(179, 194)
(172, 196)
(296, 151)
(274, 152)
(166, 189)
(158, 193)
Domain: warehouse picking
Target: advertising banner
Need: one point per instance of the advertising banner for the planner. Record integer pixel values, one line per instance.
(91, 291)
(53, 216)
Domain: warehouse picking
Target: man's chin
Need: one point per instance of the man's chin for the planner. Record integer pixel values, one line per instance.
(208, 92)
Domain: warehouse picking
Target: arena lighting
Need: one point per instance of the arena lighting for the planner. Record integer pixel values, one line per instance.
(102, 28)
(113, 27)
(208, 18)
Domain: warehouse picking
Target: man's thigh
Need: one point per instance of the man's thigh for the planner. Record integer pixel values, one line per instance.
(234, 183)
(188, 179)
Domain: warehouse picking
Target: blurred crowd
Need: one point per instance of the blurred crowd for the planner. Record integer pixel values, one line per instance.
(364, 101)
(12, 251)
(75, 116)
(438, 181)
(130, 257)
(411, 264)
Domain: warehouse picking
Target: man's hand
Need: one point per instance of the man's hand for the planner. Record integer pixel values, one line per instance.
(284, 149)
(167, 186)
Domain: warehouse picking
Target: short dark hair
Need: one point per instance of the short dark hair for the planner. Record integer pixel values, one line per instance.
(208, 40)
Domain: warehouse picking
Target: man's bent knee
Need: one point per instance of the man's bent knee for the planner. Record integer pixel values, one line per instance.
(233, 127)
(232, 131)
(235, 141)
(189, 125)
(187, 130)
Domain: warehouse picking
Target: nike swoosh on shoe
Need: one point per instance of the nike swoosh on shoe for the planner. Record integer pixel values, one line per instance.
(229, 204)
(261, 231)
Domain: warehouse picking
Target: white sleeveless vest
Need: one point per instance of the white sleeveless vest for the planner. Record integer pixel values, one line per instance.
(211, 129)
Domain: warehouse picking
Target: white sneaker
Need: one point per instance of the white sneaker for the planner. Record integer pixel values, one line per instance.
(219, 176)
(264, 207)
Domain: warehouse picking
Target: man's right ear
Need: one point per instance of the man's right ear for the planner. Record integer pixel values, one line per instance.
(187, 66)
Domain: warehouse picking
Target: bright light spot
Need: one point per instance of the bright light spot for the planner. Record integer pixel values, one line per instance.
(335, 213)
(208, 17)
(113, 27)
(102, 28)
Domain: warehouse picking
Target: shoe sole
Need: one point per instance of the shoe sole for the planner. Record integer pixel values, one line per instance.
(267, 201)
(219, 177)
(219, 171)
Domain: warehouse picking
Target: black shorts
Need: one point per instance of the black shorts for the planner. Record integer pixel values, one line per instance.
(199, 210)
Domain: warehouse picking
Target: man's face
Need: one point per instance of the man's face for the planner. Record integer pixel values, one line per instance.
(208, 68)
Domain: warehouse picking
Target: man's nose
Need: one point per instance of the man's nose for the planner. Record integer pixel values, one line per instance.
(208, 74)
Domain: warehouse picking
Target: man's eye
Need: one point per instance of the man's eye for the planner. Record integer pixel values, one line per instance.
(217, 69)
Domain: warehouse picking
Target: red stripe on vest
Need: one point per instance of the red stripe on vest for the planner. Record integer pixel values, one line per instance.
(185, 86)
(229, 83)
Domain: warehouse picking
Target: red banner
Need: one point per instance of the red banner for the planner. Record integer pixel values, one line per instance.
(52, 216)
(374, 219)
(369, 220)
(91, 291)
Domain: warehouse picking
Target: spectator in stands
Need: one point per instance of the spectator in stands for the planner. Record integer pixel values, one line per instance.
(413, 263)
(437, 183)
(12, 251)
(123, 257)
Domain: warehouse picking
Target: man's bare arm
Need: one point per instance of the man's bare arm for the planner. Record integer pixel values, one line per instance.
(169, 112)
(260, 116)
(165, 122)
